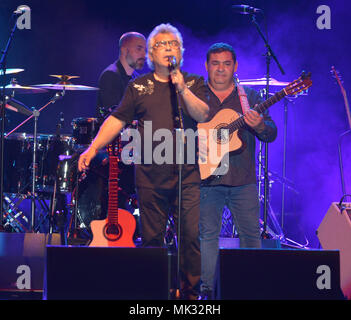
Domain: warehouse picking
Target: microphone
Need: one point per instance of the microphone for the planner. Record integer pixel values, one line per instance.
(172, 63)
(245, 9)
(62, 119)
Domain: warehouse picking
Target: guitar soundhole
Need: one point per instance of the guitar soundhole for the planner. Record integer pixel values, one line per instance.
(221, 134)
(112, 231)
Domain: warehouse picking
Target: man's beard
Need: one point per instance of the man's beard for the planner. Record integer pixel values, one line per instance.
(138, 64)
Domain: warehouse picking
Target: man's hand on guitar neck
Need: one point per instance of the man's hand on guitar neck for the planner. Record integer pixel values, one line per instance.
(254, 120)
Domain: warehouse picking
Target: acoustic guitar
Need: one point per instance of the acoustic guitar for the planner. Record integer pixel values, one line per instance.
(222, 134)
(118, 228)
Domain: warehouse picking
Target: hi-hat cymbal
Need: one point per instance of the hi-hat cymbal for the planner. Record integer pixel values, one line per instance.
(23, 89)
(10, 71)
(263, 82)
(68, 87)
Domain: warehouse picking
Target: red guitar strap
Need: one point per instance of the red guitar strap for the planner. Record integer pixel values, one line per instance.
(243, 99)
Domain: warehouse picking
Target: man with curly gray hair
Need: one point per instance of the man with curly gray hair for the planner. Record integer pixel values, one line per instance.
(163, 29)
(155, 99)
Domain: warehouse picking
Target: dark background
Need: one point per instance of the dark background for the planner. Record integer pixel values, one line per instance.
(81, 38)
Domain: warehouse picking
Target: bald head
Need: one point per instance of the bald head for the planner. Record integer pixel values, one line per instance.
(128, 37)
(132, 50)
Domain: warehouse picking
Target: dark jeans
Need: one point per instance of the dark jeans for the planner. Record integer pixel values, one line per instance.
(242, 201)
(155, 205)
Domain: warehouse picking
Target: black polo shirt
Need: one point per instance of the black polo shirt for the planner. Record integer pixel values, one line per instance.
(242, 166)
(147, 99)
(112, 83)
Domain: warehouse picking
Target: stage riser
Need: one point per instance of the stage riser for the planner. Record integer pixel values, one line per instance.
(234, 243)
(28, 266)
(22, 261)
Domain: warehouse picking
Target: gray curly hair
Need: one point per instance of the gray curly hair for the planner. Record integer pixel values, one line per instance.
(163, 28)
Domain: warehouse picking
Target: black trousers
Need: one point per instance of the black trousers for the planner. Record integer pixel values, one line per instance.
(155, 206)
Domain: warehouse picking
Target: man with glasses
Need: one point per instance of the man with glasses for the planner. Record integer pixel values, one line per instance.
(153, 100)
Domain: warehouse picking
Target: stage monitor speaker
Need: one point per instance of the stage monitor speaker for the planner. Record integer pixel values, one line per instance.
(106, 273)
(278, 274)
(22, 262)
(334, 232)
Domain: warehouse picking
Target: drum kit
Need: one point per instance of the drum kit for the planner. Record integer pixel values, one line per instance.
(43, 167)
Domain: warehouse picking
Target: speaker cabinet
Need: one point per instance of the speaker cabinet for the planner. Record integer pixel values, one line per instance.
(106, 273)
(278, 274)
(334, 232)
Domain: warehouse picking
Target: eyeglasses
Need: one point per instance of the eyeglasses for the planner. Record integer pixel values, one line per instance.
(163, 44)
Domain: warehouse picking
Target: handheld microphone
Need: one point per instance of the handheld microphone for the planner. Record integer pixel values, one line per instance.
(62, 119)
(245, 9)
(172, 63)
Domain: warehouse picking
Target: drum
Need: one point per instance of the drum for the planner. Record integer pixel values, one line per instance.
(56, 162)
(18, 163)
(18, 157)
(85, 129)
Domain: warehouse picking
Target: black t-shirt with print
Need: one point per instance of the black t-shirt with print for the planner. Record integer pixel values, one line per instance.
(155, 105)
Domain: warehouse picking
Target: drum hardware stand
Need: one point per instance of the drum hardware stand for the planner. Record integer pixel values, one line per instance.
(74, 229)
(3, 98)
(12, 215)
(35, 115)
(269, 54)
(54, 212)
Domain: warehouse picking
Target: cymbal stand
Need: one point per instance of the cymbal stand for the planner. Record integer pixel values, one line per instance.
(3, 104)
(35, 115)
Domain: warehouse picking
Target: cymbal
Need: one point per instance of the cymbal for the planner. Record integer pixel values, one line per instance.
(10, 71)
(23, 89)
(68, 87)
(64, 78)
(262, 82)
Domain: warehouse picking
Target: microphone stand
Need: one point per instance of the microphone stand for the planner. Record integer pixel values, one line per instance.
(180, 159)
(269, 54)
(3, 106)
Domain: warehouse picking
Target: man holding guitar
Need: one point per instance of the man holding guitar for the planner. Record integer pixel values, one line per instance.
(154, 98)
(237, 188)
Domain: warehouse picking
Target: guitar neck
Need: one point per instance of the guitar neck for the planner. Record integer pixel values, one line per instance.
(347, 107)
(240, 122)
(112, 214)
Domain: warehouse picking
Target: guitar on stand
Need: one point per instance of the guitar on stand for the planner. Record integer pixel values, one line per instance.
(336, 75)
(118, 228)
